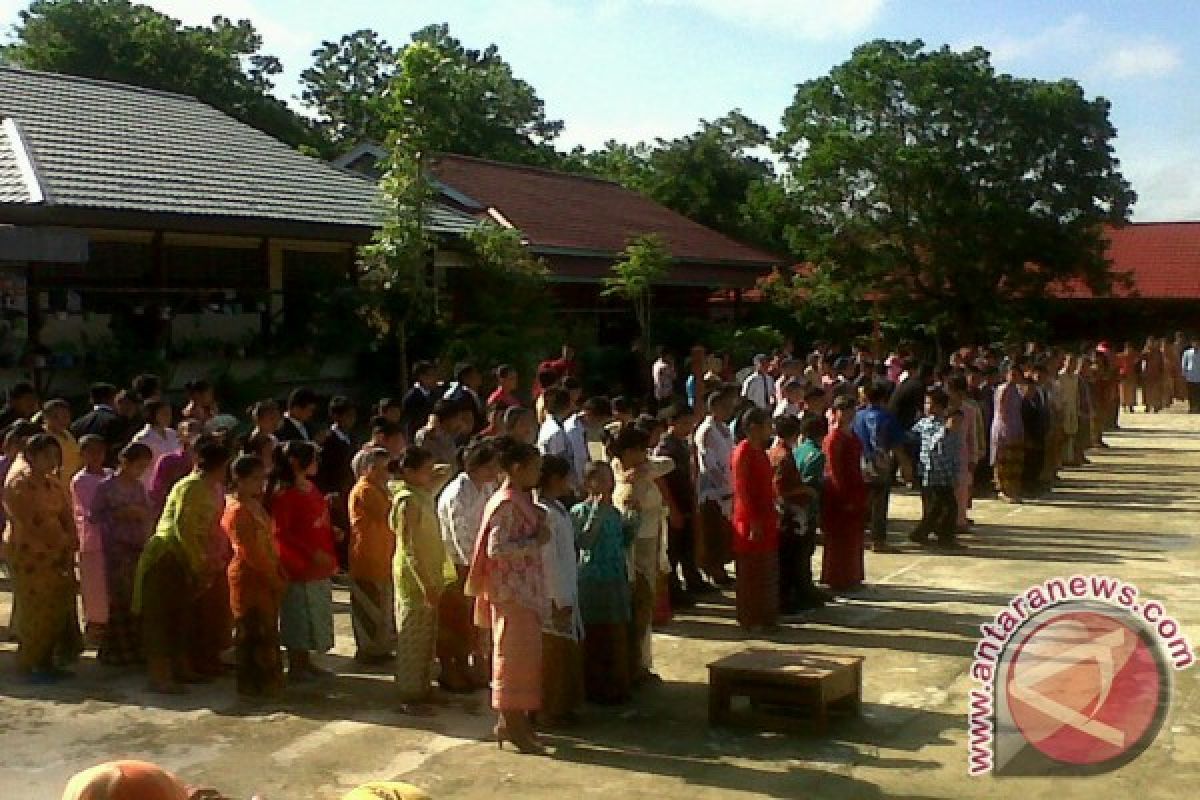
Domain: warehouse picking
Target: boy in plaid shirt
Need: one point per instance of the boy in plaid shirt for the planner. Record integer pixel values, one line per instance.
(938, 470)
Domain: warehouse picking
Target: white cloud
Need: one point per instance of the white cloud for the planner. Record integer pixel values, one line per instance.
(279, 38)
(807, 19)
(1066, 35)
(1167, 181)
(8, 17)
(1150, 57)
(1090, 50)
(291, 44)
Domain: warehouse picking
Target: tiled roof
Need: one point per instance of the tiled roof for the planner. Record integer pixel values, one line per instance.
(1161, 258)
(556, 210)
(100, 145)
(13, 187)
(444, 219)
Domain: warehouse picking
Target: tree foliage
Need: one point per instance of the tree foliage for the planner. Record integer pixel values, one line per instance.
(502, 314)
(468, 102)
(626, 164)
(398, 266)
(710, 176)
(221, 64)
(952, 194)
(345, 86)
(644, 262)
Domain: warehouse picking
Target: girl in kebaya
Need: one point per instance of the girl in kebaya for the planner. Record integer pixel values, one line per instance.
(605, 594)
(755, 525)
(422, 571)
(844, 503)
(563, 685)
(125, 516)
(507, 583)
(304, 536)
(177, 572)
(256, 581)
(93, 581)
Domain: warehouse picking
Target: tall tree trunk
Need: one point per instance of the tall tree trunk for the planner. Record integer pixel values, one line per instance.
(402, 346)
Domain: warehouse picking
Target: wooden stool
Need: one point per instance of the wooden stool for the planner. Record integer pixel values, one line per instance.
(788, 679)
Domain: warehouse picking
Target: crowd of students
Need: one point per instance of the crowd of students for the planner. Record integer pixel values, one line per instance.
(526, 543)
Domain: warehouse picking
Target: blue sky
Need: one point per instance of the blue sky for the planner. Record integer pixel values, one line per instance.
(638, 69)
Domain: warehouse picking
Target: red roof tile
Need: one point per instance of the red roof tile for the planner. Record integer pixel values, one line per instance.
(1162, 259)
(561, 210)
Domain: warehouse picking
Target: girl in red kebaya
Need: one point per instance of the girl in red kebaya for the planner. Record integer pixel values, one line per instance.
(304, 535)
(843, 503)
(755, 525)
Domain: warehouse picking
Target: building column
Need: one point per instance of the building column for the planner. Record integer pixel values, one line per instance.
(273, 253)
(160, 322)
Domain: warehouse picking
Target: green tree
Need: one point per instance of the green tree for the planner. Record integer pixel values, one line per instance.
(397, 267)
(502, 312)
(468, 102)
(345, 86)
(398, 270)
(954, 195)
(626, 164)
(708, 175)
(117, 40)
(712, 176)
(644, 262)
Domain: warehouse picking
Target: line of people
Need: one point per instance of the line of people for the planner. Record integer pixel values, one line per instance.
(529, 547)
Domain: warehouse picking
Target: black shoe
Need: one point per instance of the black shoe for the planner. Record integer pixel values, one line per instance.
(682, 600)
(808, 603)
(373, 660)
(814, 594)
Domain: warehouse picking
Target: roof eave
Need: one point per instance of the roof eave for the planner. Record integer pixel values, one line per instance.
(125, 219)
(611, 255)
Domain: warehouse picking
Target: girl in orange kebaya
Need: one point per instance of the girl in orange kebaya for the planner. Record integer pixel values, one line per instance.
(255, 581)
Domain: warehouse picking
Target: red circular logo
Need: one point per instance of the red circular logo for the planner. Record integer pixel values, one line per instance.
(1084, 687)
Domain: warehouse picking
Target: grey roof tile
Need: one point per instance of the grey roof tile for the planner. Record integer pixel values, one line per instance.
(12, 182)
(110, 146)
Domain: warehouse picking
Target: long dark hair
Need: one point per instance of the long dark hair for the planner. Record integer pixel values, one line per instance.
(283, 476)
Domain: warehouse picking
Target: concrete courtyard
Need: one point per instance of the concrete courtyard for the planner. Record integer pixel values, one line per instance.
(1134, 513)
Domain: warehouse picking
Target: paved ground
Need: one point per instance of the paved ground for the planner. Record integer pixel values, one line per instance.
(1133, 514)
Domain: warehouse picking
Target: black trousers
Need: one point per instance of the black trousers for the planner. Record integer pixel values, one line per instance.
(681, 553)
(984, 476)
(797, 543)
(879, 495)
(1193, 392)
(939, 514)
(1031, 468)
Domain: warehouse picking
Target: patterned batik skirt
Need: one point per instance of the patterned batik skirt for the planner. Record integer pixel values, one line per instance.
(122, 642)
(259, 664)
(416, 635)
(306, 616)
(1009, 467)
(373, 616)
